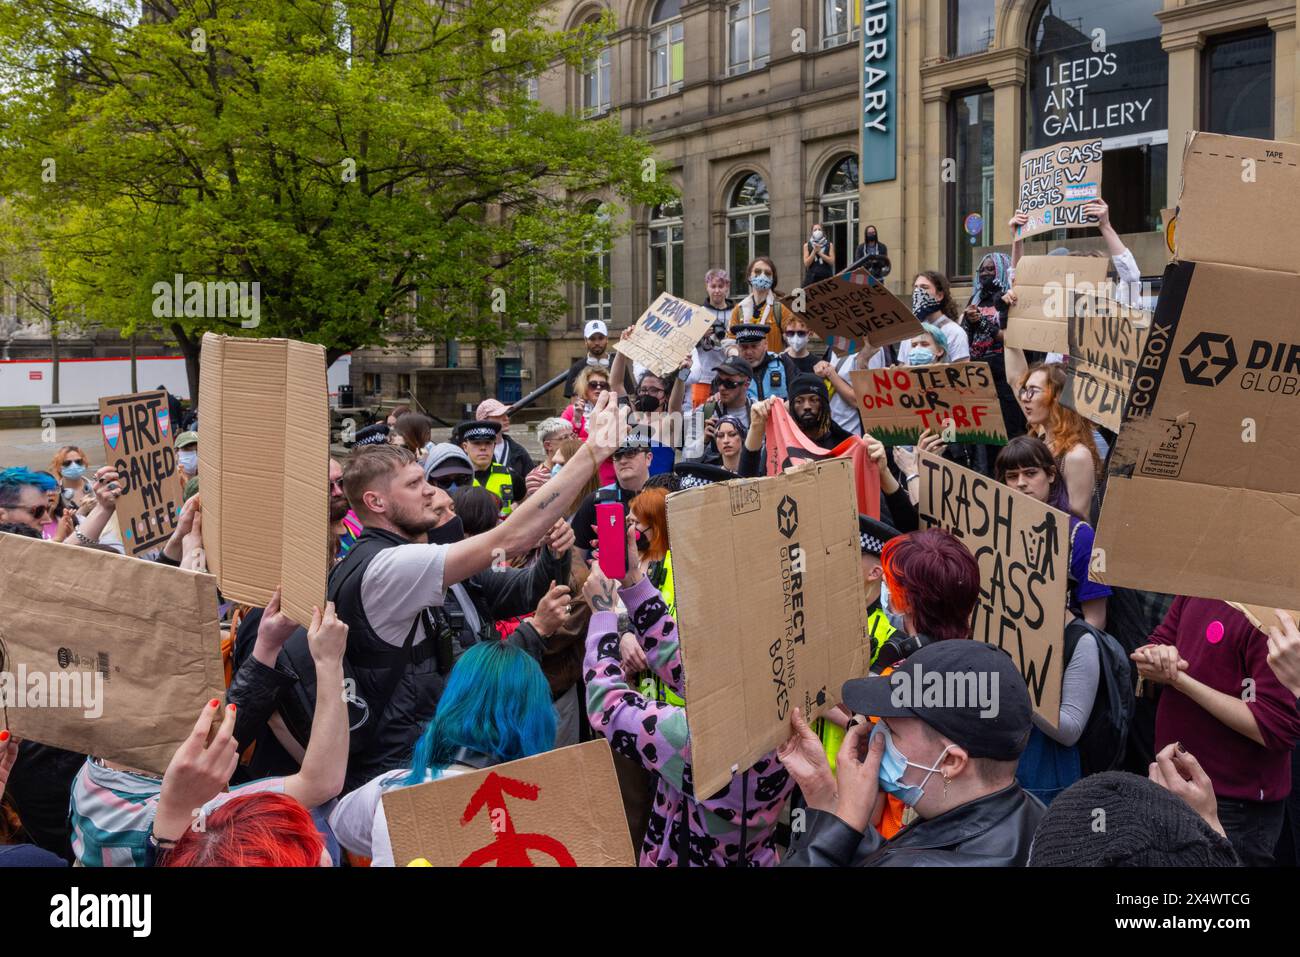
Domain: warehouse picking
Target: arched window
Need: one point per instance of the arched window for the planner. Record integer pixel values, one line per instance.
(749, 222)
(596, 301)
(667, 48)
(666, 268)
(839, 204)
(1096, 68)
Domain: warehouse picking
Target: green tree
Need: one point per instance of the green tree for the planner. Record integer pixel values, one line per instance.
(376, 166)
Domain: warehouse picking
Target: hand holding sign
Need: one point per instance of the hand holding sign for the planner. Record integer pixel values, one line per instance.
(198, 772)
(108, 488)
(1284, 651)
(804, 759)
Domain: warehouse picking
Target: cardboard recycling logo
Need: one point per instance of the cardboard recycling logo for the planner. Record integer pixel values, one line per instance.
(1206, 350)
(787, 517)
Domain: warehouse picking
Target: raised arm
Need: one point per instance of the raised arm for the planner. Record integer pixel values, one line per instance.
(532, 518)
(325, 763)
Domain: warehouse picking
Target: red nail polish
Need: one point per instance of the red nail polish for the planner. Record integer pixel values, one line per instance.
(232, 708)
(4, 735)
(213, 703)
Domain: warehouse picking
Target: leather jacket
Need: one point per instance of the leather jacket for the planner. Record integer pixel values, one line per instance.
(993, 831)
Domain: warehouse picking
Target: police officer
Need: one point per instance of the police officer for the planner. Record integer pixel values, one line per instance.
(479, 439)
(772, 371)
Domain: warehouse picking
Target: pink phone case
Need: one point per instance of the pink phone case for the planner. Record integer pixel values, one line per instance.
(611, 539)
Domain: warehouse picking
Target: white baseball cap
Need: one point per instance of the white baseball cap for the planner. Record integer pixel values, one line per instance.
(595, 328)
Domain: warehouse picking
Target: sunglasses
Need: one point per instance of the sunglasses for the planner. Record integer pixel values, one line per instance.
(598, 386)
(449, 483)
(37, 512)
(729, 383)
(72, 462)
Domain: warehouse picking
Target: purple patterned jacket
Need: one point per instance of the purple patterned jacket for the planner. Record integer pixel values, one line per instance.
(655, 735)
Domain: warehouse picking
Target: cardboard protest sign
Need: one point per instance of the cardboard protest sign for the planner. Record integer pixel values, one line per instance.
(264, 470)
(1106, 339)
(789, 544)
(898, 403)
(1056, 182)
(562, 808)
(855, 306)
(1263, 618)
(1232, 185)
(1023, 549)
(665, 334)
(1203, 495)
(139, 441)
(104, 654)
(1047, 289)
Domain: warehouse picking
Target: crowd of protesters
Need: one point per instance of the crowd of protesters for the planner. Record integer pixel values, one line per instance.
(468, 609)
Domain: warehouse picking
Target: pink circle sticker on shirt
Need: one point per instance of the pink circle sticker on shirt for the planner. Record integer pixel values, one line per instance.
(1214, 632)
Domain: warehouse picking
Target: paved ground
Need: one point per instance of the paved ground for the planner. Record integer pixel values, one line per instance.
(28, 447)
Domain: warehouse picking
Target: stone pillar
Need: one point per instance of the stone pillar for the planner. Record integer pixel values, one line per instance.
(1284, 75)
(1184, 108)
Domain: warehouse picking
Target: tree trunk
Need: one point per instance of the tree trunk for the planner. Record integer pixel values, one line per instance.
(54, 366)
(190, 350)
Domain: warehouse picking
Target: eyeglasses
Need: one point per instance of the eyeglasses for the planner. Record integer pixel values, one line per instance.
(598, 385)
(37, 512)
(729, 383)
(1029, 392)
(649, 390)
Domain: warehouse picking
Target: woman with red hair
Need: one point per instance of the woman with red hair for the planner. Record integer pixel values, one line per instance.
(932, 583)
(253, 830)
(649, 514)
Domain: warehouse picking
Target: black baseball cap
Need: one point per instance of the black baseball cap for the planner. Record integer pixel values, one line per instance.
(963, 669)
(733, 367)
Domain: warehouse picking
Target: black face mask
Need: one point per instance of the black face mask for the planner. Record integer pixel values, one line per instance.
(988, 283)
(871, 237)
(448, 533)
(646, 403)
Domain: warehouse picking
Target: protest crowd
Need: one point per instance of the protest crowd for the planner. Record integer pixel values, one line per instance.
(484, 607)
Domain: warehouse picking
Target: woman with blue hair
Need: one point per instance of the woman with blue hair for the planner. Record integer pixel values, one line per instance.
(496, 708)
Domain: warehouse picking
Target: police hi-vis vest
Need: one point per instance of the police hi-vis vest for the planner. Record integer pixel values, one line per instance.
(769, 379)
(500, 482)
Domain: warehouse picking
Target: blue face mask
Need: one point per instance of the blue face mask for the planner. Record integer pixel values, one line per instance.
(762, 282)
(73, 472)
(893, 764)
(895, 618)
(919, 357)
(189, 461)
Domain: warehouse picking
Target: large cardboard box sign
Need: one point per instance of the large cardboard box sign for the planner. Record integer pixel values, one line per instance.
(139, 442)
(147, 633)
(898, 403)
(771, 609)
(562, 808)
(855, 306)
(1240, 202)
(1047, 289)
(666, 334)
(1022, 547)
(264, 470)
(1056, 182)
(1203, 494)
